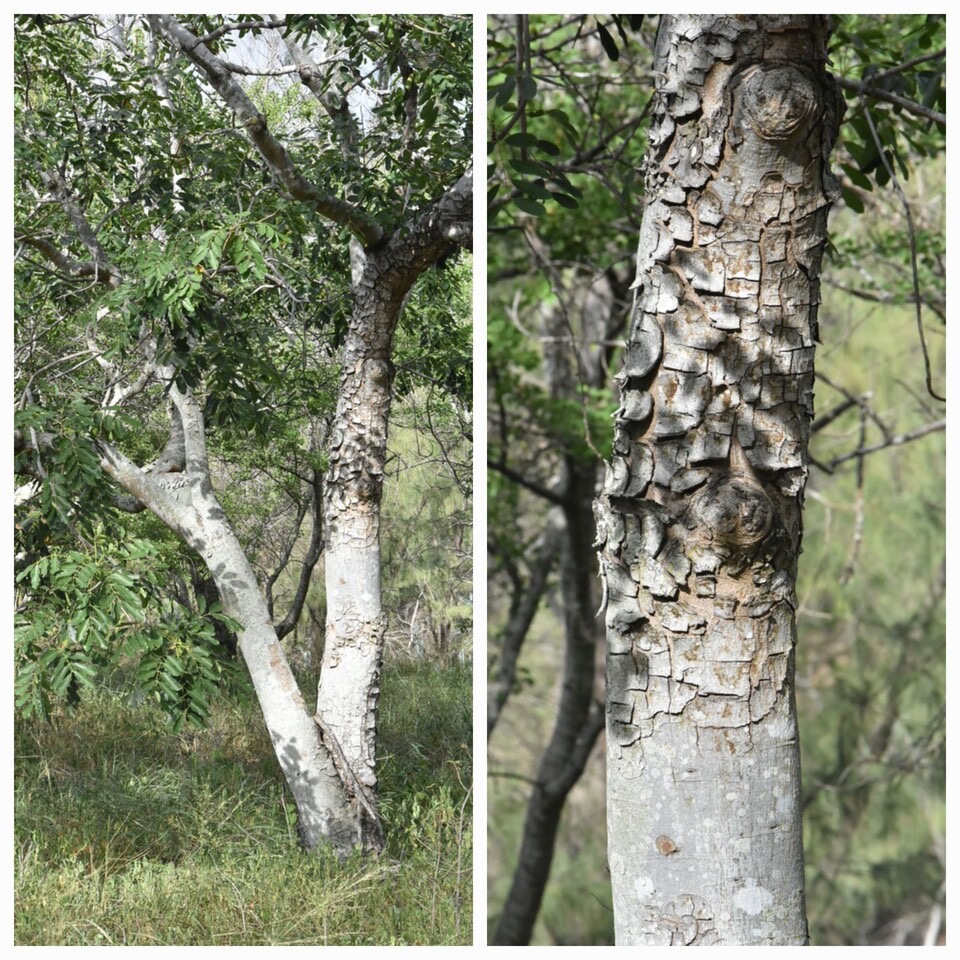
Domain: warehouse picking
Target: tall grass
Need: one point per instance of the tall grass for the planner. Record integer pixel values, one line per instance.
(127, 834)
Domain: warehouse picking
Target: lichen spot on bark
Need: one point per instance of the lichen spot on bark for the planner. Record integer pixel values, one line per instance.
(666, 846)
(778, 101)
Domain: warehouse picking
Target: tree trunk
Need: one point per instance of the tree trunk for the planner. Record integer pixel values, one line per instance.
(349, 686)
(700, 516)
(328, 809)
(579, 720)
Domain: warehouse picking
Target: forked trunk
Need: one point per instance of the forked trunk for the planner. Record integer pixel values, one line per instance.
(328, 810)
(700, 517)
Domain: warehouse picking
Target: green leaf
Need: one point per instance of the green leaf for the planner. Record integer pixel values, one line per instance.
(857, 177)
(528, 87)
(532, 168)
(504, 92)
(530, 206)
(569, 202)
(524, 141)
(609, 44)
(852, 199)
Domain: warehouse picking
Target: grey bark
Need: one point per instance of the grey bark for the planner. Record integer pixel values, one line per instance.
(700, 516)
(328, 759)
(349, 687)
(328, 810)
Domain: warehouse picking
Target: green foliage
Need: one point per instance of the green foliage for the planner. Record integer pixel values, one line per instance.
(427, 527)
(902, 56)
(871, 622)
(564, 148)
(244, 294)
(545, 126)
(434, 344)
(871, 654)
(87, 613)
(549, 131)
(127, 836)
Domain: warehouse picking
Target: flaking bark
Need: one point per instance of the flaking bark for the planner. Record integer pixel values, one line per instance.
(700, 517)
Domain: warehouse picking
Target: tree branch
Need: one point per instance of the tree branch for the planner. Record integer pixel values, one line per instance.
(521, 616)
(911, 234)
(314, 550)
(437, 231)
(104, 271)
(530, 485)
(896, 441)
(864, 89)
(78, 269)
(363, 227)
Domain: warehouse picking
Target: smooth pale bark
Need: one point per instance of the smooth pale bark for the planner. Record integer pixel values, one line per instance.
(327, 811)
(700, 516)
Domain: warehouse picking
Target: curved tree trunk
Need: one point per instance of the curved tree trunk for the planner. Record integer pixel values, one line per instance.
(327, 809)
(700, 517)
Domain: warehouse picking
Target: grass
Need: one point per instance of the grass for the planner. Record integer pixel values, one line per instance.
(128, 834)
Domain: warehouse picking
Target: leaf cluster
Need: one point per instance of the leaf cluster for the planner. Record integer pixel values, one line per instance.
(220, 276)
(553, 132)
(86, 613)
(889, 66)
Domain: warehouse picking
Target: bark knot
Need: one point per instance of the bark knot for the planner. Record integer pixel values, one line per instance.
(734, 512)
(778, 101)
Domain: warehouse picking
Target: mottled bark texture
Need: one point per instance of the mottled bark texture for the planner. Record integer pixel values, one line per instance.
(349, 687)
(327, 808)
(700, 516)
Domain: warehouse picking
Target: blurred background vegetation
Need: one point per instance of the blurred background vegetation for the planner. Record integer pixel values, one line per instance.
(568, 99)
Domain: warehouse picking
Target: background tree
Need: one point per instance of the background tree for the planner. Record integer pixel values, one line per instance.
(217, 237)
(576, 906)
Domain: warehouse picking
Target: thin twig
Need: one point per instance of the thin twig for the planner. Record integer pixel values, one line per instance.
(896, 441)
(913, 251)
(865, 90)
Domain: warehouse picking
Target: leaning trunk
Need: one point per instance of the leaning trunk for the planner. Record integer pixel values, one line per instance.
(700, 516)
(328, 809)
